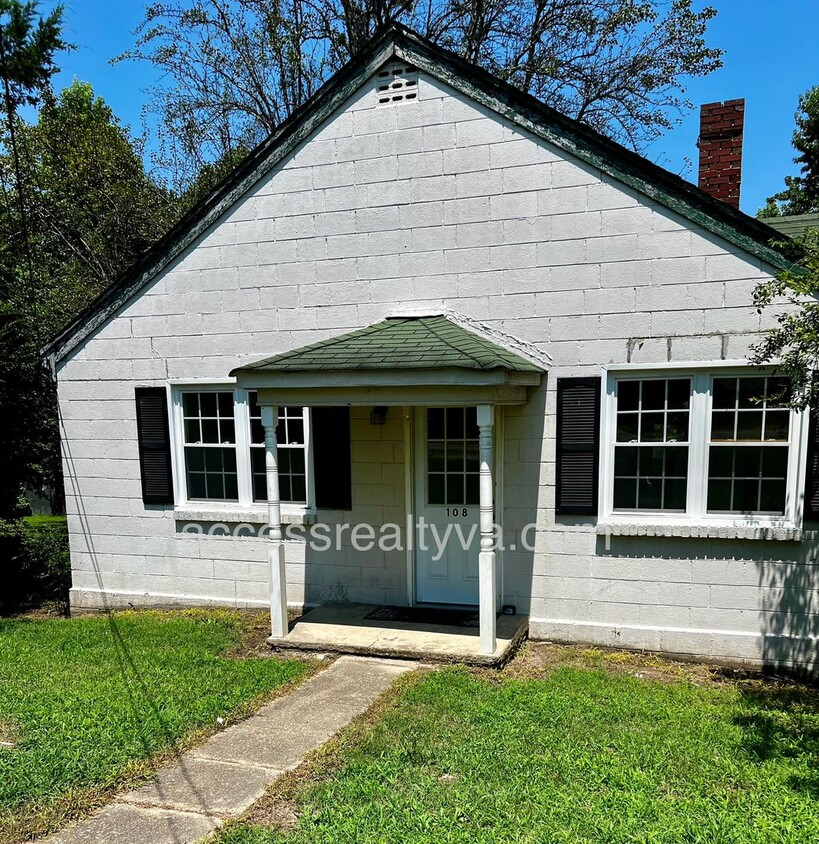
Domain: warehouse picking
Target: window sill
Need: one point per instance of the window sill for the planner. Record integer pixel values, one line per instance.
(236, 515)
(780, 533)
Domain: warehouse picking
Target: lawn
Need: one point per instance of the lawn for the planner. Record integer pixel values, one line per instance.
(89, 700)
(585, 750)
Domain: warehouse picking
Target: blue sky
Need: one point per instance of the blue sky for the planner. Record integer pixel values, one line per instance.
(771, 57)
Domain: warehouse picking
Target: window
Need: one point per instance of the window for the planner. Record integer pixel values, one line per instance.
(651, 455)
(220, 448)
(291, 448)
(453, 456)
(748, 449)
(210, 446)
(707, 446)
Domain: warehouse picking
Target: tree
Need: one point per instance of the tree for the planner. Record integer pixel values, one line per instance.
(801, 193)
(210, 175)
(793, 343)
(234, 69)
(28, 455)
(27, 49)
(29, 434)
(92, 208)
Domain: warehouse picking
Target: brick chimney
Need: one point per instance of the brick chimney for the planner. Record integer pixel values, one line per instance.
(720, 145)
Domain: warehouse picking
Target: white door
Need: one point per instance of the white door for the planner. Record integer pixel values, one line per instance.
(447, 498)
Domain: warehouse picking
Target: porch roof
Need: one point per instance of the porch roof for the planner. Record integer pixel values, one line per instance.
(396, 354)
(432, 342)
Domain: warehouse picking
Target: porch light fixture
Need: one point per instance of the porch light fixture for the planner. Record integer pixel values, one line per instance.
(378, 415)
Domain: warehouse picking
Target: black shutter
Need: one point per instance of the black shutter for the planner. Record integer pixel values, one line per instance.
(812, 474)
(578, 445)
(154, 438)
(330, 433)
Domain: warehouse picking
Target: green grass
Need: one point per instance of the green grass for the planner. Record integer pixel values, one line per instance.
(583, 755)
(90, 699)
(45, 521)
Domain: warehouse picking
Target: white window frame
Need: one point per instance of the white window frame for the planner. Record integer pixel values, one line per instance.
(699, 435)
(245, 505)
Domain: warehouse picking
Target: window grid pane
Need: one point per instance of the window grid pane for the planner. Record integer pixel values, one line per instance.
(748, 451)
(209, 432)
(651, 452)
(453, 459)
(290, 439)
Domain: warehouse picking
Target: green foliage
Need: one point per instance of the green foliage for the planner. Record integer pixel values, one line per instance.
(793, 343)
(582, 756)
(76, 209)
(27, 409)
(43, 521)
(27, 48)
(801, 193)
(210, 176)
(233, 70)
(92, 699)
(29, 436)
(34, 562)
(91, 207)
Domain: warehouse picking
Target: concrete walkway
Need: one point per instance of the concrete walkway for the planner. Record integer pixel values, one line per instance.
(223, 777)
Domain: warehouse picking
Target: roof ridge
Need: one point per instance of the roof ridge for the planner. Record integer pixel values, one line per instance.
(437, 334)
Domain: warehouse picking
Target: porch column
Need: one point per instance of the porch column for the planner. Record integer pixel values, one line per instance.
(278, 581)
(487, 565)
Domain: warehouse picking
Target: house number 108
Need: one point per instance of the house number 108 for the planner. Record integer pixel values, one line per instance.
(455, 511)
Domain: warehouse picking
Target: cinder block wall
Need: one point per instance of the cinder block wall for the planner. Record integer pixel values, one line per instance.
(174, 567)
(438, 204)
(356, 574)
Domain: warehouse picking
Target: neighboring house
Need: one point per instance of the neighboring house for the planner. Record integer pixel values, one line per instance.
(793, 225)
(470, 308)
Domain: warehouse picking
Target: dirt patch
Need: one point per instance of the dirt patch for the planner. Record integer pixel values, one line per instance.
(536, 660)
(277, 812)
(256, 624)
(41, 612)
(9, 733)
(256, 629)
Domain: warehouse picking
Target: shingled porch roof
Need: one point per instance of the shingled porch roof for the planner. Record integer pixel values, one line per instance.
(406, 352)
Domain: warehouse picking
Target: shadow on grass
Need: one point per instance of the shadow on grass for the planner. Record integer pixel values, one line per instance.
(781, 723)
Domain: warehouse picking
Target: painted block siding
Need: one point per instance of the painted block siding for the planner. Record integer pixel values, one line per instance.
(441, 204)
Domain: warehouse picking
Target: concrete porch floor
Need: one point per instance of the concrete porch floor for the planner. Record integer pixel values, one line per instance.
(343, 628)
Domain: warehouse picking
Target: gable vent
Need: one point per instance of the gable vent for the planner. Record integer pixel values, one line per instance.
(396, 83)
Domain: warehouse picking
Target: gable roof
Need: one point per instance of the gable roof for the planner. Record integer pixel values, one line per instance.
(542, 121)
(432, 342)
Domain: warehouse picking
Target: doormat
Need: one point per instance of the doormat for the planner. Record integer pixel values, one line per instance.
(425, 615)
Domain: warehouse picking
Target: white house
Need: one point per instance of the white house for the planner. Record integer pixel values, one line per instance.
(456, 304)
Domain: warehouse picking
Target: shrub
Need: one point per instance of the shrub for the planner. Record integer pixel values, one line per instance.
(34, 562)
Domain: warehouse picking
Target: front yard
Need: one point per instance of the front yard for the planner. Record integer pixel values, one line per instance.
(566, 746)
(563, 746)
(89, 702)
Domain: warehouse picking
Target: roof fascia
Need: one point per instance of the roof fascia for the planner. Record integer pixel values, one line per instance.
(260, 379)
(402, 396)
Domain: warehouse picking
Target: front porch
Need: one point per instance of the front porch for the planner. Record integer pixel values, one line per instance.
(368, 630)
(449, 385)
